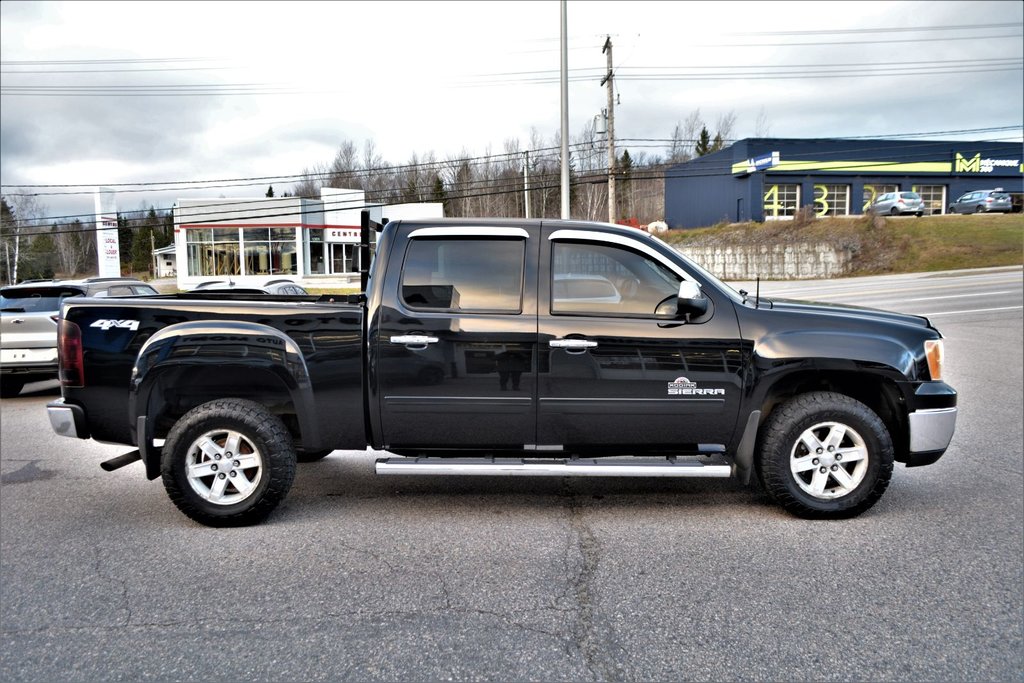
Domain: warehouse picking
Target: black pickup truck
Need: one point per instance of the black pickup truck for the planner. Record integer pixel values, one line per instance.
(507, 347)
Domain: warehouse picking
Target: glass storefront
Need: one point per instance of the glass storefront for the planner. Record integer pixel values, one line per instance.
(241, 251)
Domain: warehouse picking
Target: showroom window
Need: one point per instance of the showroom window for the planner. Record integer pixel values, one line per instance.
(213, 251)
(269, 251)
(781, 201)
(831, 200)
(934, 197)
(873, 192)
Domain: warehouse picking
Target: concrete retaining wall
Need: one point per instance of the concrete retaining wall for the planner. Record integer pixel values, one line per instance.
(777, 262)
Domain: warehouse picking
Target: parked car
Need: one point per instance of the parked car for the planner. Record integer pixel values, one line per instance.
(28, 324)
(278, 287)
(982, 201)
(898, 203)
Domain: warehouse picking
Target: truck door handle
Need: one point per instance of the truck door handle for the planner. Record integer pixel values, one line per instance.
(572, 345)
(416, 342)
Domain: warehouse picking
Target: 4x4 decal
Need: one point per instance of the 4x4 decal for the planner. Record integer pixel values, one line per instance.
(121, 324)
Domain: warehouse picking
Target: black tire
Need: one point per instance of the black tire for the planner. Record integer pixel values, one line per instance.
(252, 485)
(10, 386)
(863, 437)
(952, 209)
(979, 208)
(894, 211)
(311, 456)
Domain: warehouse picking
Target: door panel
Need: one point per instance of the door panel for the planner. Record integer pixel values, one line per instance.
(451, 378)
(642, 383)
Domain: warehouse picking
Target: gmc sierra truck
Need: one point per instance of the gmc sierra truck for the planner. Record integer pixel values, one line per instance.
(507, 347)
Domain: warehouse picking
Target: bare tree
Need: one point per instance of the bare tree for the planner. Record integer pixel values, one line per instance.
(761, 127)
(75, 246)
(25, 215)
(725, 125)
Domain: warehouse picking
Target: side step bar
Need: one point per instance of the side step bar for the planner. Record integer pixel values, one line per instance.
(515, 467)
(121, 461)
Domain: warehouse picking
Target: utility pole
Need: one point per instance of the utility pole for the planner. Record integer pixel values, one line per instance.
(607, 49)
(526, 182)
(565, 115)
(152, 249)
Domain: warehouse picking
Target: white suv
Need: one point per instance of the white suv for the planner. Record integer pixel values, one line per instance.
(28, 324)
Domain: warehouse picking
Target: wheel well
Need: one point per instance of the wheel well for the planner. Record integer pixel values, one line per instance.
(177, 392)
(878, 393)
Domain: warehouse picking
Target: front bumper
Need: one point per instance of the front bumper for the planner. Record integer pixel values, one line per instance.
(67, 419)
(931, 423)
(931, 430)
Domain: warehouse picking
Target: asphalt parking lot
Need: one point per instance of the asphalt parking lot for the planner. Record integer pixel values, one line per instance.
(363, 578)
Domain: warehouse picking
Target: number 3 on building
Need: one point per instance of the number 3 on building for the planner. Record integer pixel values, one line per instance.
(821, 199)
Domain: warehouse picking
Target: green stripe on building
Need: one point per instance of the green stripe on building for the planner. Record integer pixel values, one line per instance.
(853, 167)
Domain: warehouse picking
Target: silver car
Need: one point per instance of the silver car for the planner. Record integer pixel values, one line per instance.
(982, 201)
(28, 324)
(898, 203)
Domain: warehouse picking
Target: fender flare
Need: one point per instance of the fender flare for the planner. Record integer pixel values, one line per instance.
(223, 343)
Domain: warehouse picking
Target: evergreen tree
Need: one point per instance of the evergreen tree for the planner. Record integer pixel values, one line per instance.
(125, 236)
(703, 143)
(438, 194)
(141, 255)
(718, 143)
(270, 191)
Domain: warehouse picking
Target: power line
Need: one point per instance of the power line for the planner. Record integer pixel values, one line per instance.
(513, 184)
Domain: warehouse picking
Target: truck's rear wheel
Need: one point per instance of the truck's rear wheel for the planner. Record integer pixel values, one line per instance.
(228, 462)
(825, 456)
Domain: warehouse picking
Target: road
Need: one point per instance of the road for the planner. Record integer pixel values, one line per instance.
(364, 578)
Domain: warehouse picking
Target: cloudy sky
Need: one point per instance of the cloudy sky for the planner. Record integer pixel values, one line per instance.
(145, 92)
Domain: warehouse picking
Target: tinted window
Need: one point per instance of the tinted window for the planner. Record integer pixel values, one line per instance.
(35, 299)
(603, 279)
(464, 275)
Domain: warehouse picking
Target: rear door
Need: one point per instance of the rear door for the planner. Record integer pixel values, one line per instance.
(456, 357)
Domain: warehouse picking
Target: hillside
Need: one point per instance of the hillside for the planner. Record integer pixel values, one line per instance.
(885, 244)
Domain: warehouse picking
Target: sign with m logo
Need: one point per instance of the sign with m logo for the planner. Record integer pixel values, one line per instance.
(972, 165)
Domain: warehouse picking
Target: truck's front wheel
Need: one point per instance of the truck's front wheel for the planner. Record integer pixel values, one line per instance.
(825, 456)
(228, 462)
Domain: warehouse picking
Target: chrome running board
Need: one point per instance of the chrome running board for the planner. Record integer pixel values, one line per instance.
(517, 467)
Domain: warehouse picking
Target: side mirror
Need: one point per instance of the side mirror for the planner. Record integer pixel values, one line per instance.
(691, 300)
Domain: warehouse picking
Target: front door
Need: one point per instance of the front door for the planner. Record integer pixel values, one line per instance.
(614, 375)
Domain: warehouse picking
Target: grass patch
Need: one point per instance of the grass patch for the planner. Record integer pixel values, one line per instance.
(881, 245)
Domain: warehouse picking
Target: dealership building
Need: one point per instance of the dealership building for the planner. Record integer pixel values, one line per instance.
(254, 241)
(760, 179)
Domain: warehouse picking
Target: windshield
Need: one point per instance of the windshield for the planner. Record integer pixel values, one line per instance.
(34, 299)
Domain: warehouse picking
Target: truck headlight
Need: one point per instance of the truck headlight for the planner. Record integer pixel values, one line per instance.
(934, 353)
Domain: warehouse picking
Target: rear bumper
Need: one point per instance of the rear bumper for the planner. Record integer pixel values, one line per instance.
(67, 419)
